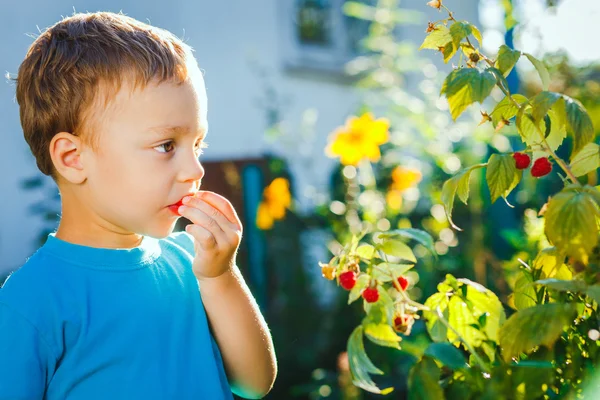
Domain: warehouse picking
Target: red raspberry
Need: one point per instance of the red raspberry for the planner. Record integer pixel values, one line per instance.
(403, 282)
(403, 323)
(541, 166)
(522, 160)
(348, 279)
(370, 294)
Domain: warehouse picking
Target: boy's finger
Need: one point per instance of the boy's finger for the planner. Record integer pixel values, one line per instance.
(221, 204)
(209, 212)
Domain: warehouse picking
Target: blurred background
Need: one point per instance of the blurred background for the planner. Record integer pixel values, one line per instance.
(282, 77)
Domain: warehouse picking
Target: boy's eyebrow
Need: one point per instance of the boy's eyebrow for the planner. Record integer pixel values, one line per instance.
(178, 130)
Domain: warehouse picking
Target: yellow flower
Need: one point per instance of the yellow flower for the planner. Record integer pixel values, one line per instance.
(276, 199)
(360, 138)
(404, 178)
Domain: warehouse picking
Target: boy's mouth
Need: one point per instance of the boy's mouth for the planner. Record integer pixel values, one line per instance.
(175, 207)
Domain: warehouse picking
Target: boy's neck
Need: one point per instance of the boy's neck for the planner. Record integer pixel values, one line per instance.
(98, 237)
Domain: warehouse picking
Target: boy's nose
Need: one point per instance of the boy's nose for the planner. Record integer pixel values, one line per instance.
(193, 170)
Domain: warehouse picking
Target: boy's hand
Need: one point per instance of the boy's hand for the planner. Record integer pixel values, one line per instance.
(217, 231)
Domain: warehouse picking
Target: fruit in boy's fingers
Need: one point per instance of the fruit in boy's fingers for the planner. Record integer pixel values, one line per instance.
(523, 160)
(370, 294)
(541, 167)
(348, 280)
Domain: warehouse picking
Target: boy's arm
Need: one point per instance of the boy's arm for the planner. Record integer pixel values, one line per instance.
(25, 358)
(241, 333)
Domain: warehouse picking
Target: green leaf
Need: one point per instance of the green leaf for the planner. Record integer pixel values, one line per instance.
(524, 295)
(461, 29)
(436, 328)
(506, 109)
(502, 175)
(423, 381)
(460, 183)
(465, 86)
(365, 251)
(447, 354)
(541, 69)
(535, 326)
(571, 223)
(594, 292)
(360, 364)
(580, 124)
(564, 286)
(382, 333)
(416, 234)
(437, 38)
(586, 160)
(541, 104)
(361, 283)
(551, 264)
(397, 248)
(507, 58)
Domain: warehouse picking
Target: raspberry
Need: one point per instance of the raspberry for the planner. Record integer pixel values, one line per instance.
(522, 160)
(403, 323)
(348, 279)
(403, 282)
(541, 167)
(370, 294)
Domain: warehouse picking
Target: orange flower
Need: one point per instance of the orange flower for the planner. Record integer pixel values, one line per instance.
(404, 178)
(276, 198)
(360, 138)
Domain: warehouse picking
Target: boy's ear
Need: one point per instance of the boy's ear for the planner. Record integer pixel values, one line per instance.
(65, 151)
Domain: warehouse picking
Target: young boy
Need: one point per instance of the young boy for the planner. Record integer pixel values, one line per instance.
(115, 305)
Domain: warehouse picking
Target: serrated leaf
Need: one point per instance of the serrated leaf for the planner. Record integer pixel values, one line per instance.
(529, 131)
(460, 30)
(551, 264)
(564, 286)
(542, 102)
(507, 58)
(381, 333)
(360, 364)
(447, 354)
(397, 248)
(524, 295)
(580, 124)
(466, 86)
(506, 109)
(436, 328)
(502, 175)
(535, 326)
(460, 183)
(437, 38)
(420, 236)
(571, 223)
(423, 381)
(365, 251)
(586, 160)
(541, 69)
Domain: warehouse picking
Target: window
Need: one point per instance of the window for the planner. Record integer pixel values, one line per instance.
(317, 35)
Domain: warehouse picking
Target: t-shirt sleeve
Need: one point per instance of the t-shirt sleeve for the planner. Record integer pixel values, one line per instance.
(25, 358)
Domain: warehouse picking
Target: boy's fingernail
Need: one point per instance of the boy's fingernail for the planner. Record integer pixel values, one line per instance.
(186, 200)
(181, 209)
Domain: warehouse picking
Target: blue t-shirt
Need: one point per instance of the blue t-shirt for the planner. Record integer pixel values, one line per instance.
(84, 323)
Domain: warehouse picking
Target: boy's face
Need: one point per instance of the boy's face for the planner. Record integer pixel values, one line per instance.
(142, 164)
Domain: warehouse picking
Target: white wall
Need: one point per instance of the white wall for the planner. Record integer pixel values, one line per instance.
(226, 35)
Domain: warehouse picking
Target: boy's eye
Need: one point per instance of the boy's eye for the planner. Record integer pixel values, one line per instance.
(165, 146)
(169, 146)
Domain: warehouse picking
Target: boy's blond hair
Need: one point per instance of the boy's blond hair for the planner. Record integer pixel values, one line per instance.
(79, 64)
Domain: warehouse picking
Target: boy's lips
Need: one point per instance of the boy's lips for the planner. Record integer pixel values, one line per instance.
(174, 207)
